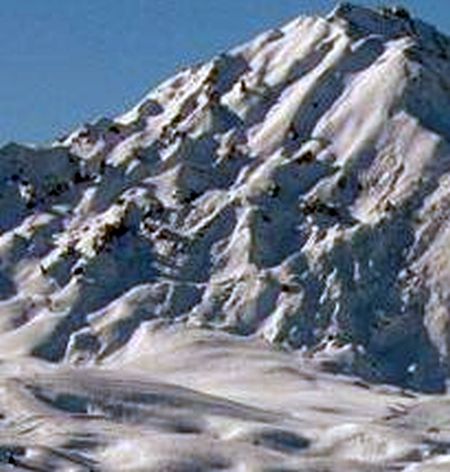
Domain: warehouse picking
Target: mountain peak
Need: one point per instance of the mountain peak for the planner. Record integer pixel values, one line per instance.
(386, 21)
(389, 22)
(347, 9)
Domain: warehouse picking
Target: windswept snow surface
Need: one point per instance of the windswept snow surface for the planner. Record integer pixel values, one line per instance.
(248, 271)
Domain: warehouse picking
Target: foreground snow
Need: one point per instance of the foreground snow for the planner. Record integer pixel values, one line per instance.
(177, 399)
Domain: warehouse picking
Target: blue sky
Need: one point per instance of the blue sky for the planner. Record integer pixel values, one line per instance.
(64, 62)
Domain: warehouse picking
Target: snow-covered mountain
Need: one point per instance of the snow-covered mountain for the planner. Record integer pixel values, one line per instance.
(294, 190)
(297, 187)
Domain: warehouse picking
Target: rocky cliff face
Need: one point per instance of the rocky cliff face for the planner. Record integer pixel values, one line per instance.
(296, 188)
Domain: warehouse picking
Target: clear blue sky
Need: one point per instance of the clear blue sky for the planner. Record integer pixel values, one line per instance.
(64, 62)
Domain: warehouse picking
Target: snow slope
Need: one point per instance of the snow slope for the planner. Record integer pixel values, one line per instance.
(294, 192)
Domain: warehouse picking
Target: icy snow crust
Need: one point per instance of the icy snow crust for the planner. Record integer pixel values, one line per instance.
(180, 285)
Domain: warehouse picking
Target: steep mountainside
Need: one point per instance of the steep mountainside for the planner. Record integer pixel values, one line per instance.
(296, 188)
